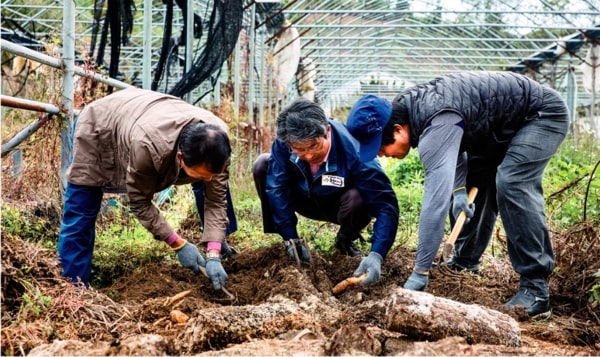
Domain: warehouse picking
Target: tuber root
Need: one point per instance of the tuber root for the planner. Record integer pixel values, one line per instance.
(346, 283)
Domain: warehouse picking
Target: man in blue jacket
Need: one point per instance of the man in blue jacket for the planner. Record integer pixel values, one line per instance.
(492, 130)
(314, 170)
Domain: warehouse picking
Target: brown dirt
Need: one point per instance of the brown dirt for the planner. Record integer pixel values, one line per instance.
(280, 309)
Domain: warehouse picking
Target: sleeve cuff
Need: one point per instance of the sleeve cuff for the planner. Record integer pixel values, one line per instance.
(172, 238)
(213, 246)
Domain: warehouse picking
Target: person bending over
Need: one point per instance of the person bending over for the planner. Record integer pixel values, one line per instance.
(139, 142)
(494, 130)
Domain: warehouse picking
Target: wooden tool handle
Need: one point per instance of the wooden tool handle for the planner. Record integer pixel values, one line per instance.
(346, 283)
(460, 221)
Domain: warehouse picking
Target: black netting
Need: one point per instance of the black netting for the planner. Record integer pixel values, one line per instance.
(119, 20)
(168, 45)
(223, 31)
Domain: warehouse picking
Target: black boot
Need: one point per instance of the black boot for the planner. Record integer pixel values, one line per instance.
(345, 246)
(533, 305)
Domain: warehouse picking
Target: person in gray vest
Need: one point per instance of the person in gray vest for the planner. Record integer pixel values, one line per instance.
(493, 130)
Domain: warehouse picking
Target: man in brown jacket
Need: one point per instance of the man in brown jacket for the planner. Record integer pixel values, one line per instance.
(140, 142)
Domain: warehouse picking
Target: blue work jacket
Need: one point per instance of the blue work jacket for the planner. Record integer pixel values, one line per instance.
(288, 176)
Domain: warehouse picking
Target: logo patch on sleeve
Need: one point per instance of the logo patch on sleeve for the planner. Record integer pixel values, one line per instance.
(336, 181)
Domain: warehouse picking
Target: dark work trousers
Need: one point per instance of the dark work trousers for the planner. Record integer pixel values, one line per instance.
(78, 231)
(519, 196)
(477, 233)
(198, 189)
(348, 211)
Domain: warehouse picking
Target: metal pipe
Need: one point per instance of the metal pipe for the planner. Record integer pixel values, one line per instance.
(56, 63)
(189, 42)
(251, 60)
(441, 11)
(236, 81)
(28, 104)
(68, 91)
(147, 55)
(439, 26)
(261, 83)
(17, 169)
(404, 38)
(23, 134)
(250, 98)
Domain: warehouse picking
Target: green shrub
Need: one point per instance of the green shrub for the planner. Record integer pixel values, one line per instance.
(407, 177)
(405, 171)
(570, 189)
(29, 226)
(121, 250)
(34, 302)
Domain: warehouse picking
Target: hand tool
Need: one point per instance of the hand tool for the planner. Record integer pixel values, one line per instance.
(449, 245)
(230, 296)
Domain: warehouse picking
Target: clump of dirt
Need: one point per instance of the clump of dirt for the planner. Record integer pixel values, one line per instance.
(279, 308)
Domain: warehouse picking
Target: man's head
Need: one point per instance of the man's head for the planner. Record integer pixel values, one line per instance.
(380, 127)
(367, 118)
(304, 128)
(203, 149)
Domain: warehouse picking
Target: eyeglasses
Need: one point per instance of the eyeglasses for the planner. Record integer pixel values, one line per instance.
(307, 147)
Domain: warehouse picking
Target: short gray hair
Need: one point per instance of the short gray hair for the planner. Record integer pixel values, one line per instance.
(301, 120)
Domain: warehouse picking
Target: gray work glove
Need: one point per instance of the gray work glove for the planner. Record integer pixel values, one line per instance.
(215, 271)
(417, 281)
(460, 203)
(297, 246)
(372, 265)
(190, 257)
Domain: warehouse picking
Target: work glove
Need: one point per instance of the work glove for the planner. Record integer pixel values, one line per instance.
(189, 256)
(215, 271)
(460, 202)
(417, 281)
(296, 247)
(372, 266)
(227, 251)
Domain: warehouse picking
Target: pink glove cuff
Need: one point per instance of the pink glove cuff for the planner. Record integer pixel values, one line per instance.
(213, 246)
(172, 238)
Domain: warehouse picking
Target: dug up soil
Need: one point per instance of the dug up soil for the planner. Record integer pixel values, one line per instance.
(280, 309)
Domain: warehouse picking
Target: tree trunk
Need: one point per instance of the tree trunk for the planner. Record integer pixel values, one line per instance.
(218, 327)
(426, 316)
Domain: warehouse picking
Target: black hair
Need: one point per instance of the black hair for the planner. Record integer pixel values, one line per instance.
(399, 116)
(204, 144)
(301, 120)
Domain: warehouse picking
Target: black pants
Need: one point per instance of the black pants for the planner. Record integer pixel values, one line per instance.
(348, 210)
(477, 233)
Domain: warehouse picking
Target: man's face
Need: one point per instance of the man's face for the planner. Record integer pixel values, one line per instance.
(312, 151)
(401, 145)
(198, 172)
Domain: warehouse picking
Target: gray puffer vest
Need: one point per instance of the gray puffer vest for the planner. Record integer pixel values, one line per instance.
(493, 105)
